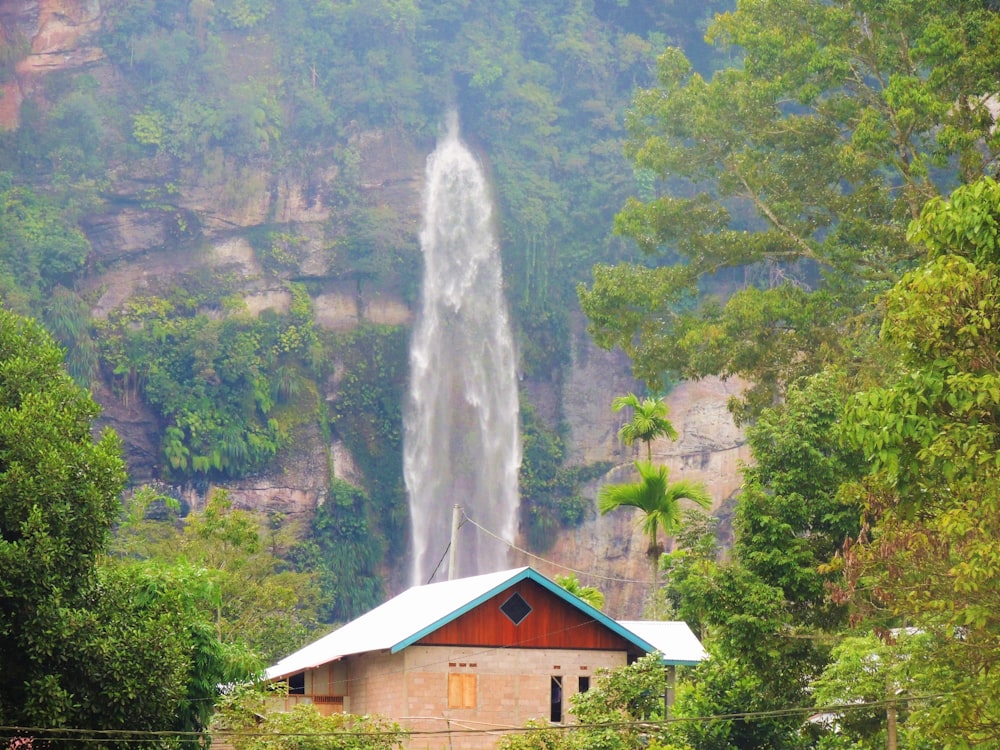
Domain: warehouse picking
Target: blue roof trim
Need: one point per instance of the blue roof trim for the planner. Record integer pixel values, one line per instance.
(559, 591)
(409, 641)
(602, 618)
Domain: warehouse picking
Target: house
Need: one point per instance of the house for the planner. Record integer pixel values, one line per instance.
(480, 653)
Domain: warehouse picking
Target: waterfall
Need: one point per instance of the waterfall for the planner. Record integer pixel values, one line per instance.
(461, 443)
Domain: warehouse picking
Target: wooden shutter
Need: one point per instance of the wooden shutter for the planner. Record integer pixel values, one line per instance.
(461, 690)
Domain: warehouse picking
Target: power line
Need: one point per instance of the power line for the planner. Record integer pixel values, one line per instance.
(146, 736)
(551, 562)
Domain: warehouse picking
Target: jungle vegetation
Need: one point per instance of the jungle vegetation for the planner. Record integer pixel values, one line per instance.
(810, 206)
(221, 95)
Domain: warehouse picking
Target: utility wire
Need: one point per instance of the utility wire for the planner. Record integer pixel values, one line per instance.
(137, 736)
(551, 562)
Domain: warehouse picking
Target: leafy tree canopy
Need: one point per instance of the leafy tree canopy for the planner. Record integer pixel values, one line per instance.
(927, 556)
(83, 645)
(251, 596)
(787, 182)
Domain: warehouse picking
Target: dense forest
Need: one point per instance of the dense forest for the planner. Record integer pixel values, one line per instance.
(806, 202)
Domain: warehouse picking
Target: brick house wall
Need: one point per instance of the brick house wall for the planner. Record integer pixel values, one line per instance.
(503, 688)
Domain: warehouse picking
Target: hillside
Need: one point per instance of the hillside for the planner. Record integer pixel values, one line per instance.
(236, 187)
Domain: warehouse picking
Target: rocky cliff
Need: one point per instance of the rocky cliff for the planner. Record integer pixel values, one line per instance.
(142, 246)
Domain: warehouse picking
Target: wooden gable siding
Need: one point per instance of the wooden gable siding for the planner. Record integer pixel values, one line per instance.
(552, 623)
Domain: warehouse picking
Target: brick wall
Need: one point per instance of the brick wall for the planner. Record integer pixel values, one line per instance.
(511, 686)
(508, 687)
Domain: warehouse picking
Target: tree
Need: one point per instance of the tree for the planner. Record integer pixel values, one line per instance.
(84, 644)
(790, 520)
(763, 610)
(788, 180)
(649, 421)
(609, 715)
(245, 721)
(927, 555)
(252, 599)
(658, 499)
(593, 596)
(58, 497)
(876, 678)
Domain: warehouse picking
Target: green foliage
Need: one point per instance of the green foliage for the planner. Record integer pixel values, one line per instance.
(649, 421)
(885, 674)
(367, 416)
(930, 502)
(83, 645)
(344, 551)
(658, 499)
(790, 520)
(608, 715)
(758, 660)
(216, 382)
(377, 244)
(177, 596)
(252, 598)
(796, 169)
(550, 491)
(67, 318)
(965, 224)
(39, 247)
(243, 14)
(589, 594)
(58, 488)
(245, 721)
(538, 735)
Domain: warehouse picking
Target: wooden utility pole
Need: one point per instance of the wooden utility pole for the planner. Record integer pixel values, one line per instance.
(890, 725)
(456, 522)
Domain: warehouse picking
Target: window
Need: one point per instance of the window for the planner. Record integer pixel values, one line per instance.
(297, 684)
(555, 712)
(461, 690)
(583, 685)
(516, 608)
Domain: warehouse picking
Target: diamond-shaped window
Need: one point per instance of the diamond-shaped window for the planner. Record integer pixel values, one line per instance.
(516, 608)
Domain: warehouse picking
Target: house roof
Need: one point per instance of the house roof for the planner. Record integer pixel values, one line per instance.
(419, 611)
(674, 640)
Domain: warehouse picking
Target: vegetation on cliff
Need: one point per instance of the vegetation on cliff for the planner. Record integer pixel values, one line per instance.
(87, 643)
(235, 100)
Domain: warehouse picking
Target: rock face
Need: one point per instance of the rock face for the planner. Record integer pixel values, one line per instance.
(143, 247)
(609, 552)
(60, 33)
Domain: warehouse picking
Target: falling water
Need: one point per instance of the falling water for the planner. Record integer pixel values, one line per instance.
(461, 442)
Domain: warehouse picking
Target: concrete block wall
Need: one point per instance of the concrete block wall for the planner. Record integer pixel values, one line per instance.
(512, 687)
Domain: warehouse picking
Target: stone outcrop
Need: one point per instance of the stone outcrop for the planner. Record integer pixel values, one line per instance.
(61, 34)
(609, 552)
(143, 247)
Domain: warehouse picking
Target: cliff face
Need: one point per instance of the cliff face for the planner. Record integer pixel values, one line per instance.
(58, 35)
(137, 254)
(609, 552)
(142, 246)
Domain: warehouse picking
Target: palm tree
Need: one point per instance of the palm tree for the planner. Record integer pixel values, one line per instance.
(657, 497)
(649, 421)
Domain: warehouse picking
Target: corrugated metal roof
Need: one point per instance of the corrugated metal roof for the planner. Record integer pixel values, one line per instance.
(405, 619)
(674, 640)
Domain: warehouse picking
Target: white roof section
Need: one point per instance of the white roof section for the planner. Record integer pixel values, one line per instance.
(413, 611)
(420, 610)
(674, 640)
